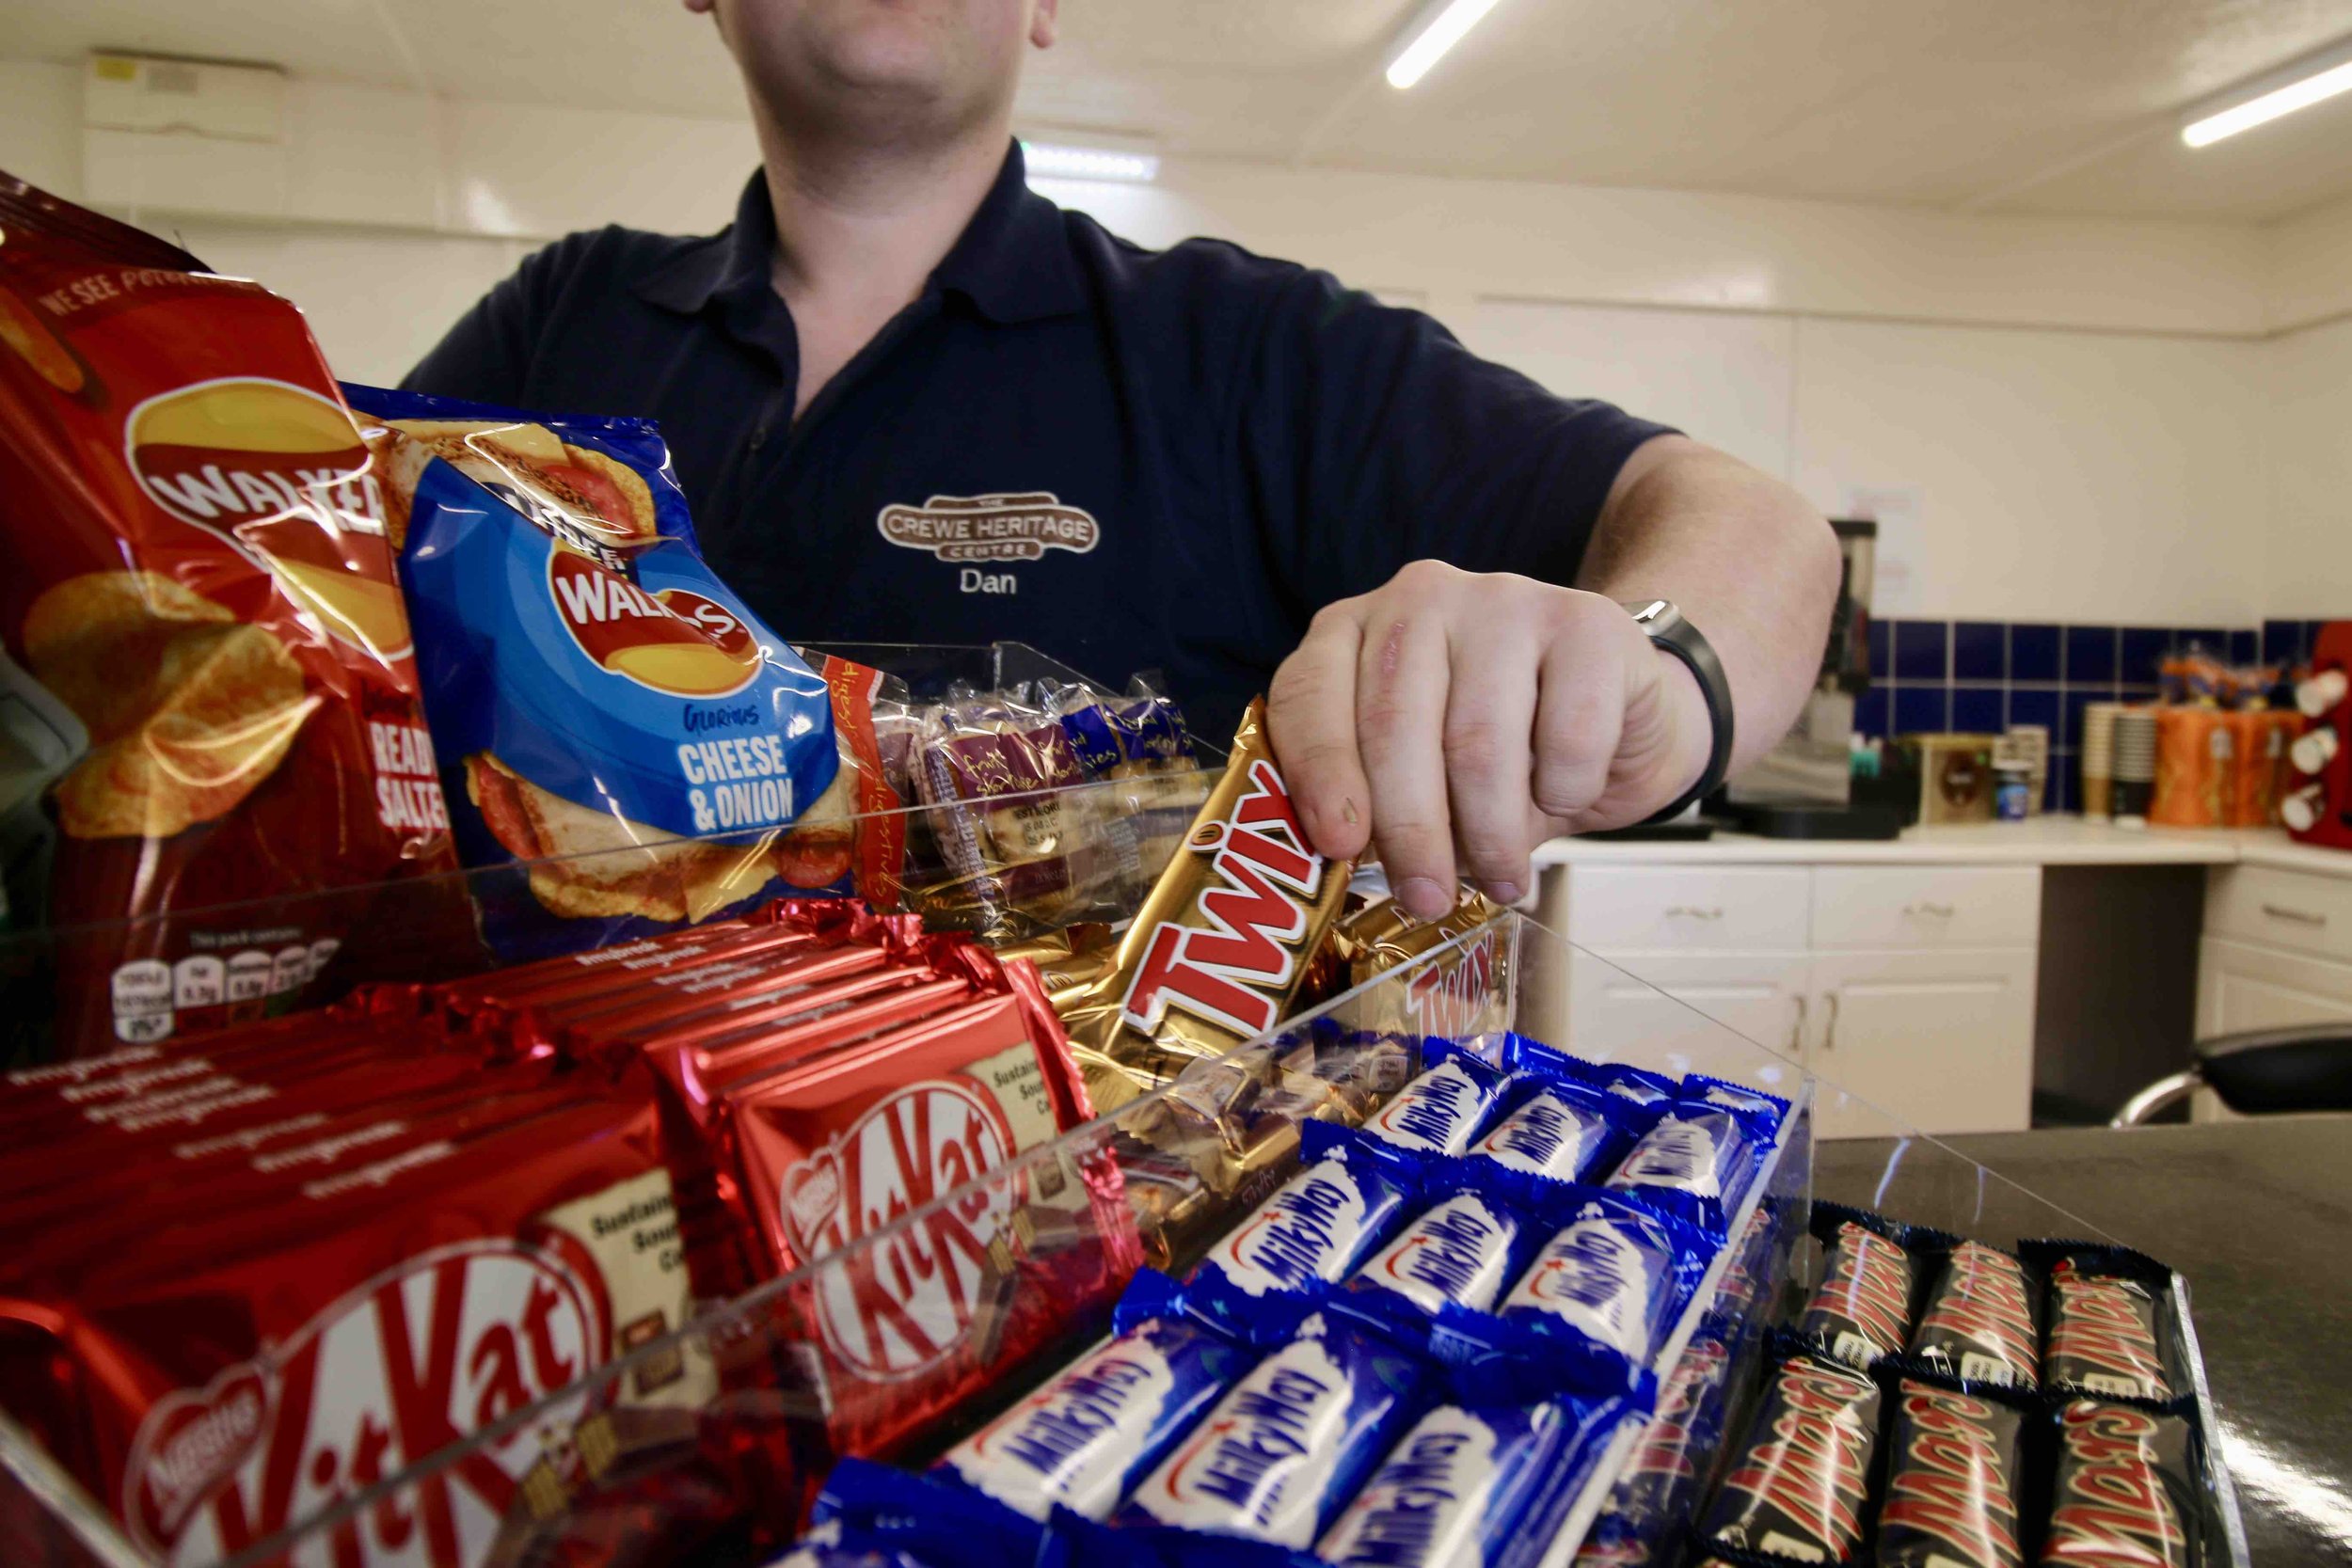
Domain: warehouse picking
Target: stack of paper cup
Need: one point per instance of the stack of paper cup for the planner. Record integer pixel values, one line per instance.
(2098, 758)
(2135, 761)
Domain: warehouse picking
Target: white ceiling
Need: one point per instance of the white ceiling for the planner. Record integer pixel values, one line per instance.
(2036, 105)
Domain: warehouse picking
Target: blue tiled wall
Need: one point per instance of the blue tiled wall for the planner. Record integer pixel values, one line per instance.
(1990, 675)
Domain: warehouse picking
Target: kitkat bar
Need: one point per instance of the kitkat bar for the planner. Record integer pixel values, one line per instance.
(775, 928)
(1221, 945)
(158, 1142)
(72, 1227)
(726, 990)
(635, 976)
(187, 1083)
(832, 1150)
(516, 984)
(235, 1375)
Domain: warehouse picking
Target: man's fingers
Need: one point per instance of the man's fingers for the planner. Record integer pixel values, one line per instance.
(1402, 672)
(1490, 710)
(1580, 709)
(1311, 720)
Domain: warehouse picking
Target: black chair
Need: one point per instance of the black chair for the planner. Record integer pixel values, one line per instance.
(2308, 1067)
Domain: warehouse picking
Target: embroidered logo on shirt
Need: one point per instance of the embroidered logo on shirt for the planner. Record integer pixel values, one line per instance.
(990, 528)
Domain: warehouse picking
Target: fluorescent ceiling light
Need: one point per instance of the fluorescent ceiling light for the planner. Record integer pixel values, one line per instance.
(1439, 28)
(1050, 160)
(2315, 88)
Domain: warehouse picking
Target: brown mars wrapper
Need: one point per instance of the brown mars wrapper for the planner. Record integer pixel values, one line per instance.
(1443, 986)
(1221, 945)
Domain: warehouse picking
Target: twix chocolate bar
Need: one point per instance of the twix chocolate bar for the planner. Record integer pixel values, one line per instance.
(1220, 946)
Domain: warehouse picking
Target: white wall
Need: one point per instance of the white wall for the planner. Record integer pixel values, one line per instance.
(2097, 419)
(2311, 466)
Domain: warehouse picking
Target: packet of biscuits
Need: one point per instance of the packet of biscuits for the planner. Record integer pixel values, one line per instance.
(207, 691)
(610, 719)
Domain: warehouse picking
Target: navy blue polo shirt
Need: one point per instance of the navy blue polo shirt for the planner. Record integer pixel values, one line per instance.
(1131, 459)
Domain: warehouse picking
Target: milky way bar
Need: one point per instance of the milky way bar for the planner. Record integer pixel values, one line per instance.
(1457, 1252)
(1317, 1228)
(1439, 1111)
(1277, 1456)
(1084, 1438)
(1607, 1276)
(1560, 1131)
(1694, 1162)
(1452, 1492)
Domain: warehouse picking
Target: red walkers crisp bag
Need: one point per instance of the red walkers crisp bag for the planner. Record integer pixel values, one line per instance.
(206, 664)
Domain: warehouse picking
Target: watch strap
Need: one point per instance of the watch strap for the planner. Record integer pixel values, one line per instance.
(1669, 631)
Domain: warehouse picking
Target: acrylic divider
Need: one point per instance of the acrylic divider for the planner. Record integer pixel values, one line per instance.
(708, 1444)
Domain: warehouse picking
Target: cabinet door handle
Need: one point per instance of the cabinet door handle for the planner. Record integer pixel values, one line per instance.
(1691, 911)
(1829, 1032)
(1941, 911)
(2300, 917)
(1796, 1030)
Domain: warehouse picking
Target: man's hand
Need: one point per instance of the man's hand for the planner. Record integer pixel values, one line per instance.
(1452, 721)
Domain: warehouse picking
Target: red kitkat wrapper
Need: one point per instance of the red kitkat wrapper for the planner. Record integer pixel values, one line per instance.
(723, 991)
(831, 1153)
(168, 1143)
(231, 1377)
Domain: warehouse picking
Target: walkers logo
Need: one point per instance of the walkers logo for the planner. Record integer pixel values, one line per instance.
(960, 528)
(280, 474)
(677, 642)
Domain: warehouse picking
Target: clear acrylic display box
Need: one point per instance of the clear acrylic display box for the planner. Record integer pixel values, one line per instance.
(706, 1445)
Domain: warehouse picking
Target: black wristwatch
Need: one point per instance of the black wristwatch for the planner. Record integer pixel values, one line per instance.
(1678, 637)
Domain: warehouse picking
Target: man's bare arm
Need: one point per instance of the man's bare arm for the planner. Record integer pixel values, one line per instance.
(1451, 721)
(1747, 558)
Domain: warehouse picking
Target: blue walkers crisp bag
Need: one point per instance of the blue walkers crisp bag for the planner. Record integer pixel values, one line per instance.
(601, 706)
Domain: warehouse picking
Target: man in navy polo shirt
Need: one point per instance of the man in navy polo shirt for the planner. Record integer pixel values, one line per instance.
(912, 401)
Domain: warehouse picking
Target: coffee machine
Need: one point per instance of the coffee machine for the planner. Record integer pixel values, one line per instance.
(1804, 787)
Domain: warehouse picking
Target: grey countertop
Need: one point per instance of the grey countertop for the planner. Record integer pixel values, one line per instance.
(2258, 1216)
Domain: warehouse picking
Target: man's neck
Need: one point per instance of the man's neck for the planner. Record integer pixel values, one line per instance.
(859, 231)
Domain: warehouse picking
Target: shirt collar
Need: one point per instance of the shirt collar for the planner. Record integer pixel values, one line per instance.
(1012, 261)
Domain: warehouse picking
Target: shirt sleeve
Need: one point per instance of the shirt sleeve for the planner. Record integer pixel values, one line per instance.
(489, 354)
(1372, 437)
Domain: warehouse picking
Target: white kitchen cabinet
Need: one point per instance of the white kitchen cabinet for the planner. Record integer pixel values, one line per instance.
(2273, 955)
(1664, 1009)
(1942, 1040)
(2272, 908)
(1911, 988)
(2243, 986)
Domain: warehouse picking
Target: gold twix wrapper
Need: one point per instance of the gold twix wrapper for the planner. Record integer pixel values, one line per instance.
(1221, 945)
(1464, 991)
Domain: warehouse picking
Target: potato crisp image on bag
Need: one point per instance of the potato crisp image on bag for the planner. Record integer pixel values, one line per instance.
(208, 691)
(607, 714)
